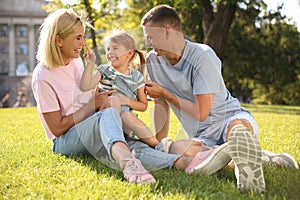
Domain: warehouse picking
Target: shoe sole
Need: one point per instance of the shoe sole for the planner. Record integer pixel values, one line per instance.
(245, 151)
(216, 161)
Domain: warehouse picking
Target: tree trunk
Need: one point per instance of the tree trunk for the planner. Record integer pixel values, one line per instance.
(216, 25)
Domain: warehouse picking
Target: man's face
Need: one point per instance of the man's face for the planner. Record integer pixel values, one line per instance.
(156, 38)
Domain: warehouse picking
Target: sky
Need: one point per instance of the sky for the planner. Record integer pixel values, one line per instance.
(291, 8)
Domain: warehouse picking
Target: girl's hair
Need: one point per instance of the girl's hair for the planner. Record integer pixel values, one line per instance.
(61, 22)
(122, 38)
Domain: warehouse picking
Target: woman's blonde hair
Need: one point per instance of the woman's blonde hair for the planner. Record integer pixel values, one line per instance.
(61, 22)
(123, 38)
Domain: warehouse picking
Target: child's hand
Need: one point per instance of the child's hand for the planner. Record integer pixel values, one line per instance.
(89, 56)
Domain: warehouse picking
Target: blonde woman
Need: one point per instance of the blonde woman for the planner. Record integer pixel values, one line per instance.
(68, 114)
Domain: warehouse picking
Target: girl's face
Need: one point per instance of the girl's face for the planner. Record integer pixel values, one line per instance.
(71, 46)
(117, 54)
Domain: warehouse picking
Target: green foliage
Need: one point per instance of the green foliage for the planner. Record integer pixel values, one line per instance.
(29, 170)
(189, 12)
(262, 56)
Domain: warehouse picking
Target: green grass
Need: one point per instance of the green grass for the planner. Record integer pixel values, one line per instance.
(29, 170)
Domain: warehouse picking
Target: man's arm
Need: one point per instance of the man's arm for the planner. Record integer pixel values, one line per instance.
(161, 119)
(199, 109)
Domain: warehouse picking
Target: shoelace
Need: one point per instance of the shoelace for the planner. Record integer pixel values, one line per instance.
(136, 171)
(134, 164)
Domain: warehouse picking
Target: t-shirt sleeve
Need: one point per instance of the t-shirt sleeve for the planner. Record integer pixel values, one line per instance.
(140, 79)
(207, 78)
(46, 96)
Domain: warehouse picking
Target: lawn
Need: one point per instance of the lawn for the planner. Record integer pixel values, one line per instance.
(29, 170)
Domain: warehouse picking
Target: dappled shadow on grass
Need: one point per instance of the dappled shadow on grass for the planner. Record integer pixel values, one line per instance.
(196, 186)
(220, 185)
(281, 183)
(96, 165)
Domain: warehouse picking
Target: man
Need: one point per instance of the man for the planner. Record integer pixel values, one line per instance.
(187, 77)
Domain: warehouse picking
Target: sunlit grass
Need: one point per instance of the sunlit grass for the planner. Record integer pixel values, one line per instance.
(29, 170)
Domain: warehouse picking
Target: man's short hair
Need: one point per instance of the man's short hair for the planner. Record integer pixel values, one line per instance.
(162, 15)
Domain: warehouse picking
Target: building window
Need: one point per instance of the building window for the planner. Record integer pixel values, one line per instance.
(3, 48)
(21, 31)
(4, 68)
(3, 31)
(23, 49)
(22, 69)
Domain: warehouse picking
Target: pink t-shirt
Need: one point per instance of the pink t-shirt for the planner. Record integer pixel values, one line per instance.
(58, 89)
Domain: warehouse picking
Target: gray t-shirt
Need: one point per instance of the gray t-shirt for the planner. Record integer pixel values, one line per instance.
(197, 72)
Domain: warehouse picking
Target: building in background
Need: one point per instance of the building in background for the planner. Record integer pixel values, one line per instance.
(19, 24)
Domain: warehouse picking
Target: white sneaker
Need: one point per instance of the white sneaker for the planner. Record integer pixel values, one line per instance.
(282, 160)
(245, 151)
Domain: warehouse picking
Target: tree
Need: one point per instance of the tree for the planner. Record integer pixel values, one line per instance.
(204, 21)
(91, 16)
(217, 24)
(262, 57)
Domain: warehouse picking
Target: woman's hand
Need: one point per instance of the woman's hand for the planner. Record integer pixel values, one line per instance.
(99, 98)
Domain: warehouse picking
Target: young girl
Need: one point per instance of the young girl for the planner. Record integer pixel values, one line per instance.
(129, 83)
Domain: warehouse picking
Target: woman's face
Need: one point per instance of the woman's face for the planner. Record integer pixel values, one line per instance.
(71, 46)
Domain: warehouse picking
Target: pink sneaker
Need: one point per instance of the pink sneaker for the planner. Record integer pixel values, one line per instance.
(134, 172)
(210, 161)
